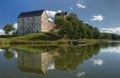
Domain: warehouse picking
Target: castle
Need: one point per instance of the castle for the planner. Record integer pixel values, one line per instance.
(35, 21)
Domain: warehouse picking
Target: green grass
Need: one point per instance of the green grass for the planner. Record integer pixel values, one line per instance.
(38, 38)
(4, 40)
(29, 36)
(92, 41)
(41, 38)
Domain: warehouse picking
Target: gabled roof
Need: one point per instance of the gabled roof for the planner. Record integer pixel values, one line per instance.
(61, 14)
(31, 13)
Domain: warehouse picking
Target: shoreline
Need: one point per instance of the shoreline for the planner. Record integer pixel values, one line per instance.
(46, 38)
(61, 41)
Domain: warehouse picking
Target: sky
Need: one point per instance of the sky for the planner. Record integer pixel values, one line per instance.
(104, 14)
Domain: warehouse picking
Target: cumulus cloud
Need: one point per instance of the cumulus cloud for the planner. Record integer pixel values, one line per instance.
(98, 62)
(50, 19)
(97, 18)
(2, 32)
(115, 30)
(52, 13)
(15, 25)
(111, 50)
(71, 8)
(79, 5)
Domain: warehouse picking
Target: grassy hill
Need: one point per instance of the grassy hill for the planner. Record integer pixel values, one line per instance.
(35, 38)
(41, 38)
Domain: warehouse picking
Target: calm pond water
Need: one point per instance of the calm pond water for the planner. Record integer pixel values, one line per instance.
(93, 61)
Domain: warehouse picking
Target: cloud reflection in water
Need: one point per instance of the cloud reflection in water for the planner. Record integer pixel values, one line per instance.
(98, 62)
(81, 74)
(111, 50)
(1, 50)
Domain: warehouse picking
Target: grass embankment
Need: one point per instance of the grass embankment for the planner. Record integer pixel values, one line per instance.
(5, 40)
(41, 38)
(93, 41)
(35, 38)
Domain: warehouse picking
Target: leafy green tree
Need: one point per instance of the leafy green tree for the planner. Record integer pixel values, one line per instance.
(79, 28)
(15, 33)
(96, 33)
(115, 36)
(105, 36)
(73, 28)
(61, 24)
(89, 31)
(8, 28)
(109, 36)
(83, 30)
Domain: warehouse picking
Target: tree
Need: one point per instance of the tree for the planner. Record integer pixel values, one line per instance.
(79, 28)
(8, 28)
(89, 31)
(105, 36)
(96, 33)
(61, 25)
(74, 28)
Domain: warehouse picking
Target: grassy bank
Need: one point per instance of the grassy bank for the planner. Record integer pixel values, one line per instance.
(41, 38)
(5, 40)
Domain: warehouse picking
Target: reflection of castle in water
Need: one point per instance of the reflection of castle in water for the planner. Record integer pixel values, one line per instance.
(36, 62)
(61, 58)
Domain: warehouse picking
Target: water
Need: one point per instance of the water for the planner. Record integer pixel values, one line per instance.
(93, 61)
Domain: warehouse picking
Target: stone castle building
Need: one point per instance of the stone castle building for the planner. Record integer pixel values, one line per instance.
(34, 21)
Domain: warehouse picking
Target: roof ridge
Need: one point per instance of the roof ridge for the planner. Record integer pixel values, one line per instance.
(31, 13)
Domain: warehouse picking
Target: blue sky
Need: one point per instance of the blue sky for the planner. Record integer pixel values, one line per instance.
(104, 14)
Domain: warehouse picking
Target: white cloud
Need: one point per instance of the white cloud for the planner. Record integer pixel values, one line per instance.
(97, 18)
(52, 13)
(2, 32)
(98, 62)
(58, 11)
(115, 30)
(50, 19)
(81, 74)
(15, 25)
(111, 50)
(79, 5)
(71, 8)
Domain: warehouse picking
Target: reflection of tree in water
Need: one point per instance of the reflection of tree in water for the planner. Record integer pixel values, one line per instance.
(71, 57)
(8, 54)
(40, 59)
(54, 57)
(110, 44)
